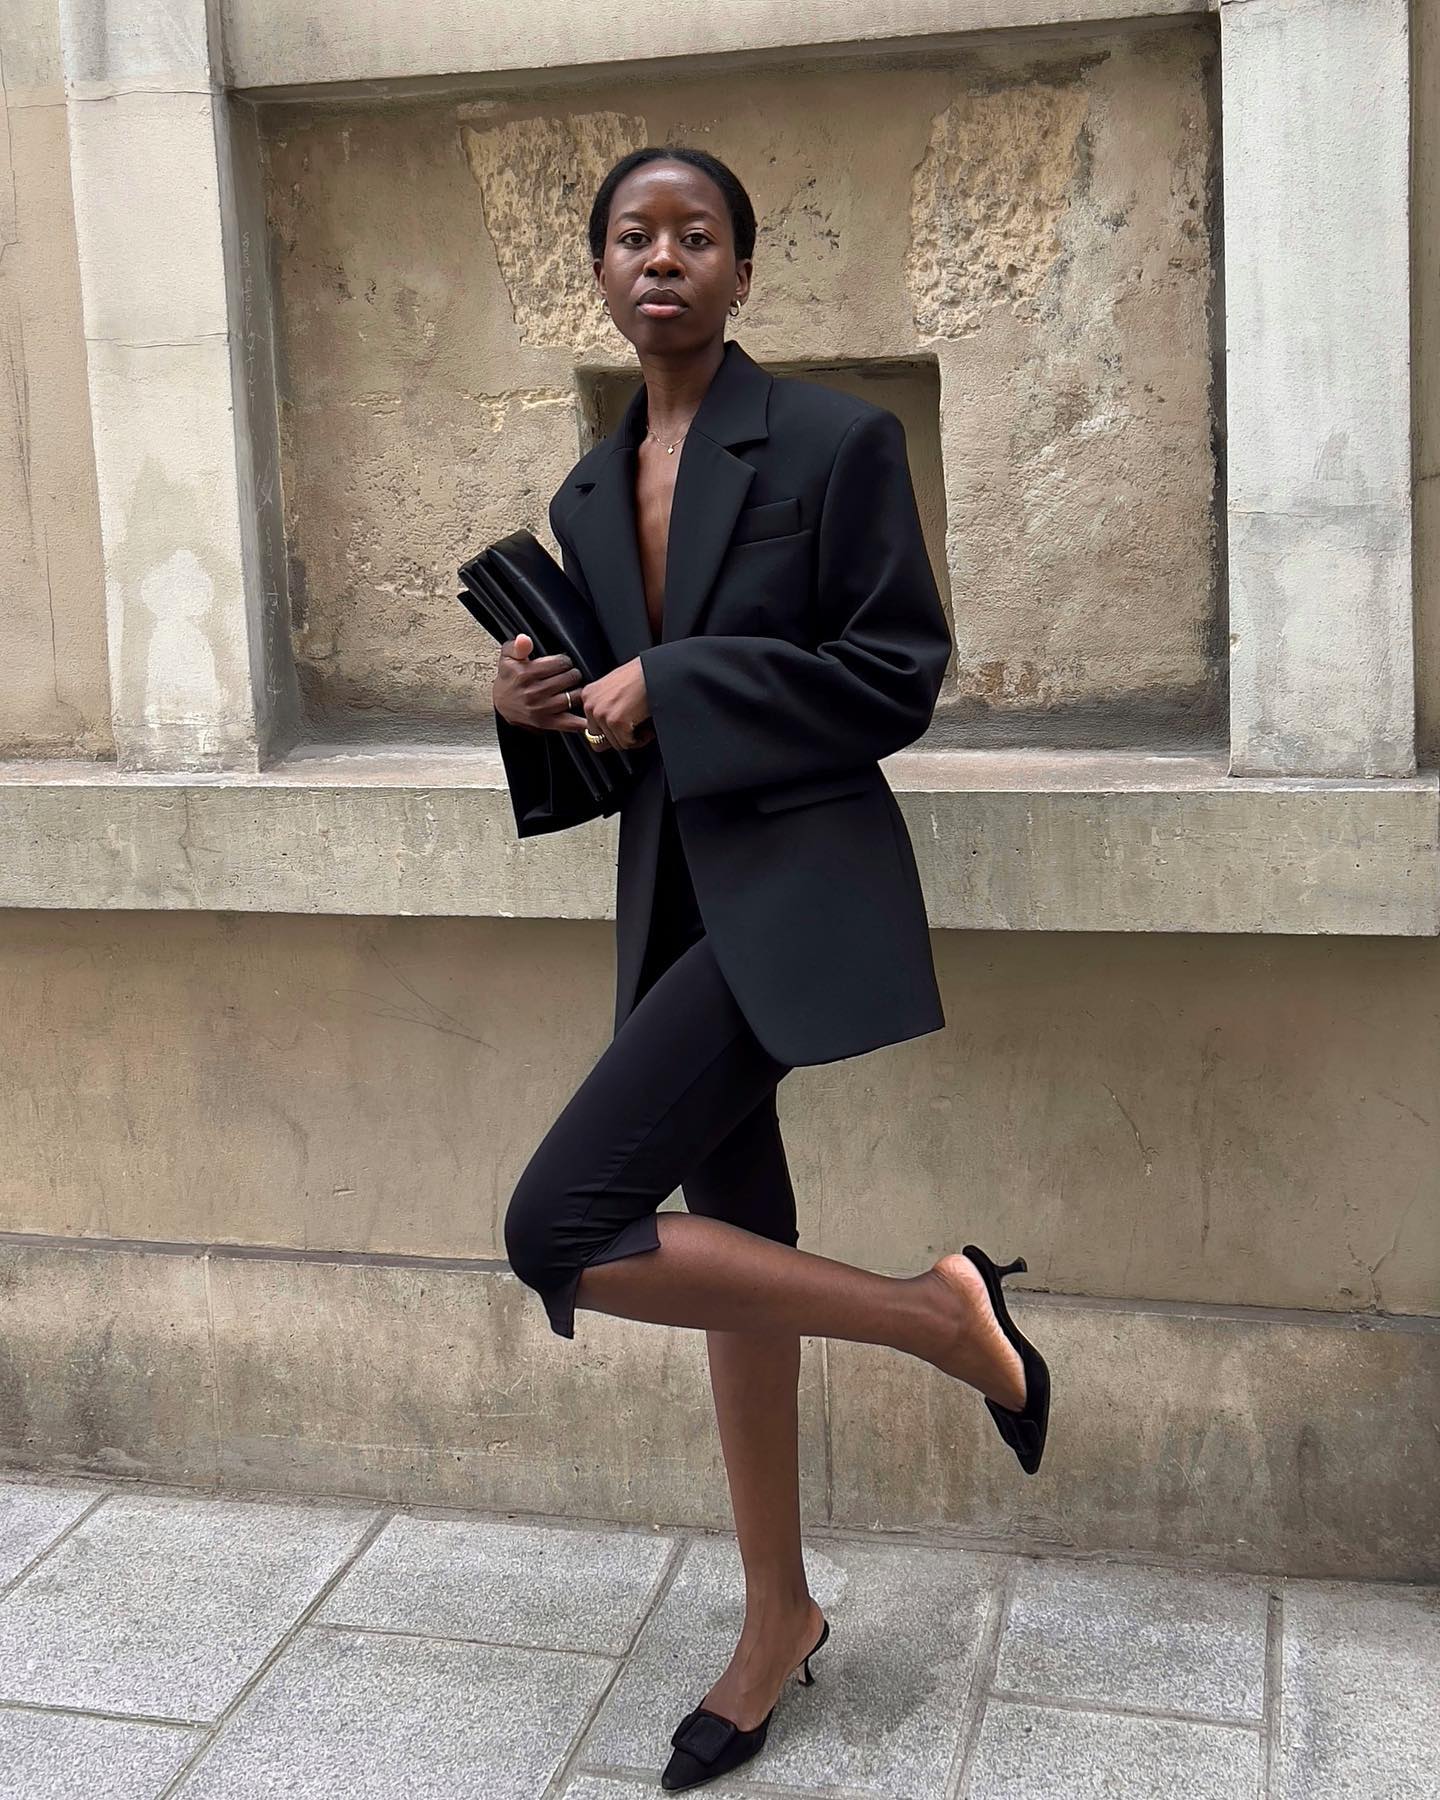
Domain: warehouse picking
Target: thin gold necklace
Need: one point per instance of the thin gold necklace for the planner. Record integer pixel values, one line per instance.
(670, 448)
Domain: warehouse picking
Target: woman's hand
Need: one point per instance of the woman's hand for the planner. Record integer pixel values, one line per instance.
(619, 705)
(545, 693)
(536, 691)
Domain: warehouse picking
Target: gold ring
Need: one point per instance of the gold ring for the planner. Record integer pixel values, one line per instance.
(596, 738)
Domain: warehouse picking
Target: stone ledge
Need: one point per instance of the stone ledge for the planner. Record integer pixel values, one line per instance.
(1246, 1439)
(1006, 840)
(276, 45)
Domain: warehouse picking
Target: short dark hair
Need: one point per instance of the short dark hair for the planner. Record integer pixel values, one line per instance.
(742, 213)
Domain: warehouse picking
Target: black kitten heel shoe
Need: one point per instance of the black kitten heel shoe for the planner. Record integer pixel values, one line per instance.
(708, 1745)
(1023, 1431)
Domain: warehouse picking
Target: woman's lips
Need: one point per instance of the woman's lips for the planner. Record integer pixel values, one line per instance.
(661, 309)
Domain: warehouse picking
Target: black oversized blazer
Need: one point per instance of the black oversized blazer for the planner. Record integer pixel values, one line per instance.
(802, 638)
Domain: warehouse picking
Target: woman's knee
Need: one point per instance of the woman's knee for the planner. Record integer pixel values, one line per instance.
(530, 1234)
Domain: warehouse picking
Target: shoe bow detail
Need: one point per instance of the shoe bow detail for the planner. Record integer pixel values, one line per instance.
(1021, 1434)
(704, 1735)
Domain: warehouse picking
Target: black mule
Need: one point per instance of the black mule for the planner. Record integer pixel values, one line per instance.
(708, 1745)
(1024, 1431)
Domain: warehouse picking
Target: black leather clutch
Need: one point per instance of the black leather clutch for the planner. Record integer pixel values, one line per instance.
(515, 585)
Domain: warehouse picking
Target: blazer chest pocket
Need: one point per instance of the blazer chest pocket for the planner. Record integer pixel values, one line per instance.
(775, 518)
(814, 787)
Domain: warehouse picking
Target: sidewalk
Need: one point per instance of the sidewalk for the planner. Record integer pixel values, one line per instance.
(153, 1643)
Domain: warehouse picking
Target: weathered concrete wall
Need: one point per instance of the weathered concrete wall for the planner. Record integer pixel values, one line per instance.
(276, 42)
(1238, 1121)
(434, 296)
(54, 686)
(1244, 1439)
(1425, 370)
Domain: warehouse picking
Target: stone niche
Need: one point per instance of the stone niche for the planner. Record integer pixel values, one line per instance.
(910, 390)
(1013, 243)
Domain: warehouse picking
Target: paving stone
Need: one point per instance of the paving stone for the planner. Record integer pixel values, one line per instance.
(166, 1606)
(885, 1713)
(542, 1586)
(1158, 1639)
(1036, 1753)
(32, 1516)
(618, 1787)
(55, 1756)
(1360, 1701)
(348, 1715)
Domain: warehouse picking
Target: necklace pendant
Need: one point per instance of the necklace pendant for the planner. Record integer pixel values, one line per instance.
(670, 451)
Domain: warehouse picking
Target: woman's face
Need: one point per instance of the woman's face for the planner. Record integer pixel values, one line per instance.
(670, 230)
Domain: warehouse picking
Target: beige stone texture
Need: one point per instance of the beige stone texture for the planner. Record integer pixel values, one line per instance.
(421, 1381)
(1425, 369)
(1237, 1121)
(1248, 1440)
(54, 686)
(1032, 220)
(277, 43)
(1025, 840)
(106, 1364)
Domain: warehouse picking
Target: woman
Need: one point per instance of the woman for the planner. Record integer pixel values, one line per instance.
(753, 550)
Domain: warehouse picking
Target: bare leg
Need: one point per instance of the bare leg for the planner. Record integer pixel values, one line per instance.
(755, 1298)
(715, 1276)
(754, 1376)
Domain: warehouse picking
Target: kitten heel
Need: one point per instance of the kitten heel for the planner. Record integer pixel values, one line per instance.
(1024, 1430)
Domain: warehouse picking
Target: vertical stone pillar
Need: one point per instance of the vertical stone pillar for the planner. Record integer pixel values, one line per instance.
(1316, 97)
(198, 666)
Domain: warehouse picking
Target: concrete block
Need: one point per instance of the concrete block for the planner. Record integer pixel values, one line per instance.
(147, 218)
(447, 1387)
(30, 54)
(269, 42)
(180, 652)
(1232, 1439)
(1322, 665)
(105, 1365)
(166, 1606)
(1004, 841)
(1241, 1439)
(1317, 274)
(157, 43)
(1162, 1116)
(54, 689)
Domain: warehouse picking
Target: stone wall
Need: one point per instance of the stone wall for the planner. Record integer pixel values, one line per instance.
(54, 688)
(284, 1019)
(1035, 223)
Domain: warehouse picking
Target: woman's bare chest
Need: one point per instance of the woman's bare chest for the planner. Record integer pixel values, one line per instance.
(654, 497)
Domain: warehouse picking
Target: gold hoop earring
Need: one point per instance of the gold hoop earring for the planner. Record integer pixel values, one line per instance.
(734, 309)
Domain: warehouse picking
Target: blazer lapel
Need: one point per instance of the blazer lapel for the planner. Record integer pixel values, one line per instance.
(710, 488)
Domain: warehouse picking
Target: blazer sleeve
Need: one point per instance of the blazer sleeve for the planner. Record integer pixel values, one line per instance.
(546, 791)
(734, 711)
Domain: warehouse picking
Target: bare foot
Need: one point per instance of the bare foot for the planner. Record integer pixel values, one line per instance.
(764, 1660)
(974, 1348)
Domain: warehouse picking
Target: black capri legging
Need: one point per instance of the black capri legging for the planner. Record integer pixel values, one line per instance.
(683, 1095)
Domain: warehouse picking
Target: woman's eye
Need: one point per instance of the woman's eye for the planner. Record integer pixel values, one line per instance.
(698, 240)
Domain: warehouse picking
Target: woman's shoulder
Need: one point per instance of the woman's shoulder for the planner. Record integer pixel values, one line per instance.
(801, 406)
(806, 397)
